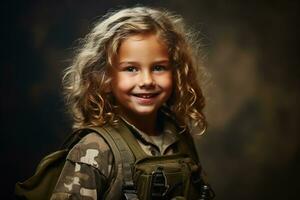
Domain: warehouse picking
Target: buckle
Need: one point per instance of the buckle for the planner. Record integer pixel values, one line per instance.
(129, 191)
(206, 191)
(159, 186)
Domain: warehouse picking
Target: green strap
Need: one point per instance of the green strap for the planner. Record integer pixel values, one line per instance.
(117, 158)
(187, 144)
(126, 154)
(124, 159)
(131, 141)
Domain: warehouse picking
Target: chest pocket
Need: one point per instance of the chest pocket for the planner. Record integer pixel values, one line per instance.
(164, 177)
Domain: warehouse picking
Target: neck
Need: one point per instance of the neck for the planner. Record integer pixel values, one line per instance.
(147, 123)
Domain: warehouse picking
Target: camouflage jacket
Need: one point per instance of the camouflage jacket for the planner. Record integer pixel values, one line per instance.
(88, 169)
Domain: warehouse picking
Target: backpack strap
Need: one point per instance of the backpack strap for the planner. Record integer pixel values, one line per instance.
(123, 158)
(187, 145)
(131, 137)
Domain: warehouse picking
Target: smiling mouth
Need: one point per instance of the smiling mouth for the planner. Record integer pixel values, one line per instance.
(146, 95)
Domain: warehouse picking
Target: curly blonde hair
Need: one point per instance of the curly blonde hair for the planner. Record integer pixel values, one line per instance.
(86, 80)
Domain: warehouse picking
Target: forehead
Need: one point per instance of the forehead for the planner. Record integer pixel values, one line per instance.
(142, 47)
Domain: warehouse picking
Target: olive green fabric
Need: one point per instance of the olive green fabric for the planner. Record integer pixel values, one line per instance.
(132, 165)
(178, 169)
(41, 184)
(177, 172)
(123, 159)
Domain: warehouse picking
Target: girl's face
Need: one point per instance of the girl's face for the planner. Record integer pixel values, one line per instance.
(141, 75)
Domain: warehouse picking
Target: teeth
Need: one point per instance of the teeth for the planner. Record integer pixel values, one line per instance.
(145, 96)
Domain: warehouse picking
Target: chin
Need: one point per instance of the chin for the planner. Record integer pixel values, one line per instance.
(145, 112)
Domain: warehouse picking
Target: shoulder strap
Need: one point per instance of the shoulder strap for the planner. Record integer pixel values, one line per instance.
(123, 158)
(131, 138)
(188, 145)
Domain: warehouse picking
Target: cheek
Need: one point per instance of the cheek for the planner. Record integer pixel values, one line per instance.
(169, 80)
(121, 83)
(167, 83)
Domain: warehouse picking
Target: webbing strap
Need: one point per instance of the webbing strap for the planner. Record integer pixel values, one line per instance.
(117, 158)
(126, 154)
(130, 138)
(124, 158)
(198, 178)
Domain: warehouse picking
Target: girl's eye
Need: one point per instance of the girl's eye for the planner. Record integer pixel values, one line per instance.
(159, 68)
(130, 69)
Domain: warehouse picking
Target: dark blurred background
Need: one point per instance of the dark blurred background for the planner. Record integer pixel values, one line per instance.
(251, 54)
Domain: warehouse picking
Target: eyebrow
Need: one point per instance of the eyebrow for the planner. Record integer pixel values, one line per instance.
(164, 61)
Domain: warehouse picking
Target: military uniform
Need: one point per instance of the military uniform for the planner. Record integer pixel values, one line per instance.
(89, 165)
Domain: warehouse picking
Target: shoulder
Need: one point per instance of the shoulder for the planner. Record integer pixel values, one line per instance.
(92, 150)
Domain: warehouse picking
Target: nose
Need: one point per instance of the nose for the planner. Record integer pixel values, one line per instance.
(146, 79)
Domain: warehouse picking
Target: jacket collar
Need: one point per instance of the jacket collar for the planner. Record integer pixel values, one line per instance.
(169, 134)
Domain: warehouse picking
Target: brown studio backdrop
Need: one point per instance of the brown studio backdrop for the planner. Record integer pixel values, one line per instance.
(251, 148)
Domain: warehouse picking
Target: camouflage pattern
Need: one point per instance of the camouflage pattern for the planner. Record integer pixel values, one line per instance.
(86, 171)
(89, 166)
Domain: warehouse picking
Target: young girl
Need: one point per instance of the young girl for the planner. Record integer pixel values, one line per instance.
(137, 69)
